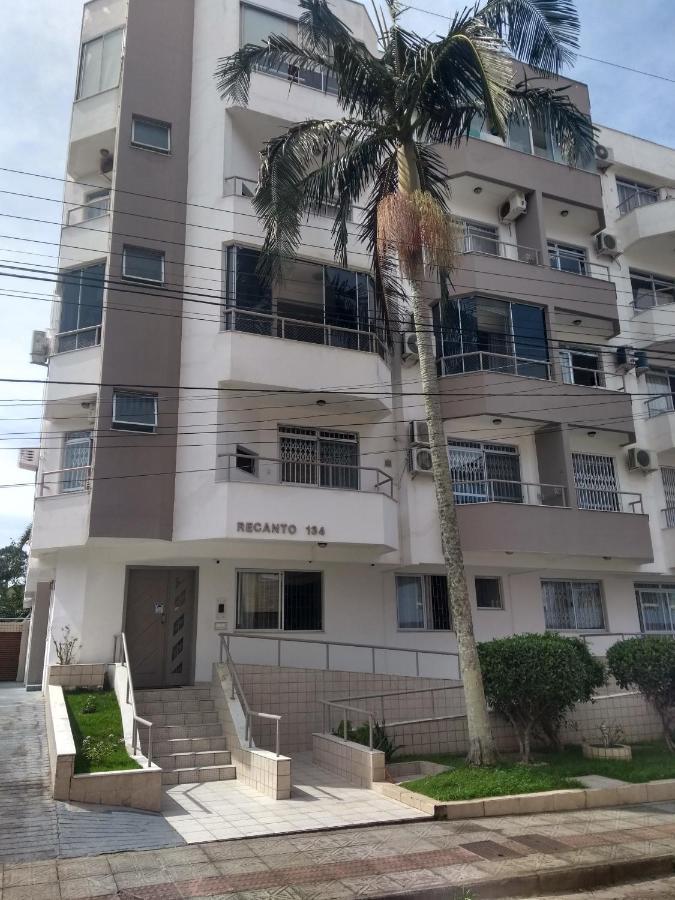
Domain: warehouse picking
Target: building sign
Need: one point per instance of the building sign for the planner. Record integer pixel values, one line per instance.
(279, 528)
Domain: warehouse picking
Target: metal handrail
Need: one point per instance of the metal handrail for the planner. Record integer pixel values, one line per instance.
(484, 363)
(328, 644)
(306, 469)
(98, 208)
(239, 186)
(492, 486)
(42, 485)
(622, 499)
(75, 333)
(327, 705)
(586, 268)
(644, 197)
(270, 325)
(120, 644)
(492, 246)
(226, 657)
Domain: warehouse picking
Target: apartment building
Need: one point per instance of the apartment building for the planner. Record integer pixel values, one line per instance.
(220, 457)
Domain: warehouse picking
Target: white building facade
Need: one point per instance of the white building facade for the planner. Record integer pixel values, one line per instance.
(219, 457)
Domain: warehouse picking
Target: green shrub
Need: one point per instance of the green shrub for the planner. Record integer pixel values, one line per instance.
(361, 735)
(534, 680)
(90, 705)
(648, 664)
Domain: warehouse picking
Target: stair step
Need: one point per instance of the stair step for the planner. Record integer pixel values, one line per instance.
(187, 718)
(198, 760)
(196, 692)
(167, 747)
(150, 708)
(169, 732)
(198, 775)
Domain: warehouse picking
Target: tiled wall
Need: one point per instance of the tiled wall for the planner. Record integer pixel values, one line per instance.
(355, 763)
(295, 693)
(89, 676)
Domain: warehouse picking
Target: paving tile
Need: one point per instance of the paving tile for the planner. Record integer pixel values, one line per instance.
(79, 868)
(94, 886)
(29, 873)
(32, 892)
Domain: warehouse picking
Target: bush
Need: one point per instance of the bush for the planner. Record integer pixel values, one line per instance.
(533, 680)
(361, 735)
(648, 664)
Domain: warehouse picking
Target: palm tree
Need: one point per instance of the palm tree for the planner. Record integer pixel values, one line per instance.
(397, 104)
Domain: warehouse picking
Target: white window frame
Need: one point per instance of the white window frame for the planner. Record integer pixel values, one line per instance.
(79, 483)
(568, 369)
(281, 573)
(660, 588)
(559, 249)
(500, 586)
(159, 253)
(147, 120)
(424, 579)
(80, 68)
(127, 425)
(571, 582)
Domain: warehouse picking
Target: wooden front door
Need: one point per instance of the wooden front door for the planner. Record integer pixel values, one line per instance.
(159, 626)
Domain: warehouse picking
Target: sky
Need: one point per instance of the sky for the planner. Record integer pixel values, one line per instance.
(38, 62)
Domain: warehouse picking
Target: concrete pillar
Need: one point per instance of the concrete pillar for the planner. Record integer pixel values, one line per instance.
(531, 228)
(554, 459)
(37, 639)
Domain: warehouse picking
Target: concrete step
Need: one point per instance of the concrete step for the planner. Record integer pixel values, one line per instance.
(169, 732)
(174, 761)
(149, 709)
(196, 692)
(188, 745)
(187, 718)
(199, 775)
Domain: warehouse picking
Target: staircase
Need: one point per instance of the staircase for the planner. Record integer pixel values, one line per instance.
(187, 739)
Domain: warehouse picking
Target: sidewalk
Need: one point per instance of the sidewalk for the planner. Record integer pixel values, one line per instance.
(499, 857)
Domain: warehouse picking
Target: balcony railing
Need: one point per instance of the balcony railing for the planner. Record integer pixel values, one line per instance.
(660, 404)
(239, 468)
(478, 243)
(481, 360)
(88, 211)
(607, 500)
(578, 265)
(237, 186)
(584, 376)
(643, 197)
(64, 481)
(244, 320)
(78, 339)
(498, 490)
(668, 517)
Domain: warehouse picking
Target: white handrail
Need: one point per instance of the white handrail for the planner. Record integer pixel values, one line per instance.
(120, 649)
(226, 657)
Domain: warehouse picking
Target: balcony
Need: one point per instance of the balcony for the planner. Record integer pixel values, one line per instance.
(262, 505)
(514, 271)
(62, 509)
(646, 215)
(93, 128)
(660, 422)
(492, 384)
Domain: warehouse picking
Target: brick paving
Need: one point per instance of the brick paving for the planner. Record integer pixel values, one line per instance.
(429, 858)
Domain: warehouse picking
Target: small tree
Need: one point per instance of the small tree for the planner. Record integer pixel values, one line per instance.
(648, 664)
(13, 562)
(533, 680)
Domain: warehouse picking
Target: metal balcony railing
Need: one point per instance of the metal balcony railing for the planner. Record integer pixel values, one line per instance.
(237, 186)
(584, 376)
(668, 517)
(660, 404)
(251, 469)
(64, 481)
(607, 500)
(481, 360)
(245, 320)
(478, 243)
(499, 490)
(577, 265)
(78, 339)
(644, 197)
(78, 215)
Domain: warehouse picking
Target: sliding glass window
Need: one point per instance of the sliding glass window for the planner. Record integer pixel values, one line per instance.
(81, 293)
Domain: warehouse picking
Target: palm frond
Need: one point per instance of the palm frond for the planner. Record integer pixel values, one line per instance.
(552, 109)
(542, 33)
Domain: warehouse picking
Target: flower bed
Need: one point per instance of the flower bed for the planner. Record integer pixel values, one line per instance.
(99, 740)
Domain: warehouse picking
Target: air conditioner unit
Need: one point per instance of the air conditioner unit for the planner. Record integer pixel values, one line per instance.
(604, 156)
(409, 354)
(642, 460)
(39, 348)
(29, 458)
(513, 208)
(606, 244)
(419, 433)
(420, 461)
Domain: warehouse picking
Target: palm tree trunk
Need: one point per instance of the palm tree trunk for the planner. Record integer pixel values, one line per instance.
(482, 749)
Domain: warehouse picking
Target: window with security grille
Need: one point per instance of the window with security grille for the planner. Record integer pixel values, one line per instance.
(76, 461)
(595, 482)
(319, 457)
(656, 607)
(422, 603)
(573, 605)
(280, 601)
(668, 480)
(485, 473)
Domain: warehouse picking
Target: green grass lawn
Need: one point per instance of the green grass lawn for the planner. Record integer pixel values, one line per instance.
(550, 772)
(100, 724)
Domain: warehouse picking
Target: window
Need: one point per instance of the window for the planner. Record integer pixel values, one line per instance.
(656, 607)
(151, 135)
(595, 482)
(143, 264)
(247, 460)
(668, 480)
(485, 473)
(651, 290)
(661, 387)
(481, 238)
(567, 258)
(324, 458)
(489, 593)
(633, 194)
(422, 603)
(573, 605)
(76, 461)
(582, 367)
(100, 64)
(134, 412)
(256, 27)
(81, 293)
(476, 333)
(280, 601)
